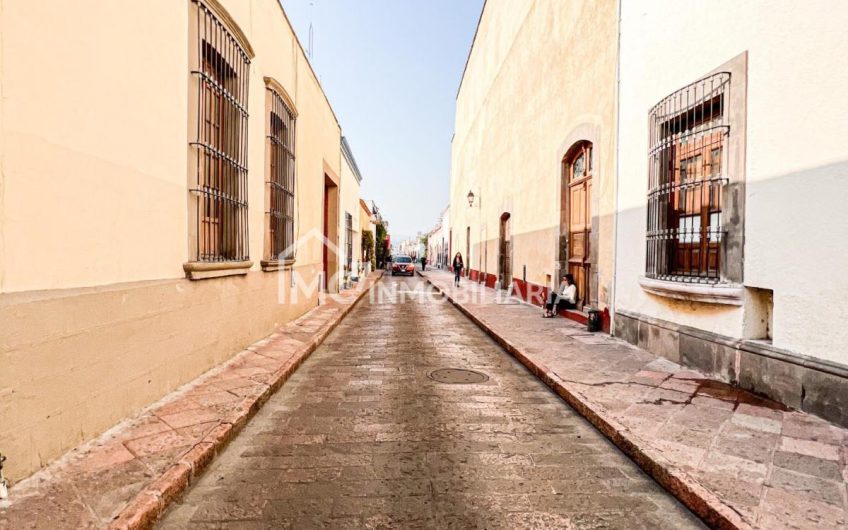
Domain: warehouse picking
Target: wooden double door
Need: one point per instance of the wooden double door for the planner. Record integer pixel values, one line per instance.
(578, 208)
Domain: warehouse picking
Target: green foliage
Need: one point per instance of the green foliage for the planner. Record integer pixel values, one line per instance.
(380, 249)
(367, 245)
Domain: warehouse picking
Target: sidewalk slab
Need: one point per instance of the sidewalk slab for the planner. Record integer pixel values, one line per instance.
(735, 459)
(128, 476)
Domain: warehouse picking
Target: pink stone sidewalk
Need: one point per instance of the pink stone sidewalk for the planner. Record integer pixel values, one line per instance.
(737, 460)
(125, 478)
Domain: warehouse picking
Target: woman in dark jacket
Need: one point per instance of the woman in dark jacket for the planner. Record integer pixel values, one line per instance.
(458, 265)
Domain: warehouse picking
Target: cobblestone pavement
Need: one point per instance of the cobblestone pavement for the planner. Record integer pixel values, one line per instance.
(361, 437)
(746, 456)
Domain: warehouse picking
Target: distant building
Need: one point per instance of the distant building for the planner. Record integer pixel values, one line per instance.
(349, 224)
(438, 241)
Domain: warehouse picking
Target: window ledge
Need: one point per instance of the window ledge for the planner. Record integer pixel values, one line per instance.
(270, 265)
(200, 270)
(726, 294)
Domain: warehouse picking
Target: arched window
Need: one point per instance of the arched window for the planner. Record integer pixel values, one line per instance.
(689, 135)
(281, 179)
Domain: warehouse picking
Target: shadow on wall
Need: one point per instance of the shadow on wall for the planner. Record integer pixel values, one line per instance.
(795, 227)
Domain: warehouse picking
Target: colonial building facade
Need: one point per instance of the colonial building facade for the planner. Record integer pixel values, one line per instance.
(350, 260)
(532, 179)
(730, 253)
(167, 167)
(685, 162)
(438, 241)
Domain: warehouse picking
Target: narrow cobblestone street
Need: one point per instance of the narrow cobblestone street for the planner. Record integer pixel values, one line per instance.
(362, 437)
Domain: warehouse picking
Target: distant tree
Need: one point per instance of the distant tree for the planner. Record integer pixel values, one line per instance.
(380, 250)
(368, 247)
(424, 240)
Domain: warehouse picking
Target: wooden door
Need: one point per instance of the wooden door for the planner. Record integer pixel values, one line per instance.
(579, 175)
(325, 256)
(504, 261)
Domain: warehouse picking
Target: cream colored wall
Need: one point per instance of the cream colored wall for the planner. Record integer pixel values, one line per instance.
(97, 318)
(538, 71)
(94, 143)
(95, 138)
(796, 158)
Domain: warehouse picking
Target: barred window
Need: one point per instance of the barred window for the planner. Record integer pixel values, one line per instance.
(348, 242)
(281, 179)
(687, 175)
(219, 190)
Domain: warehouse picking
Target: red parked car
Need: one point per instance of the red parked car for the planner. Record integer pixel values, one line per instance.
(403, 265)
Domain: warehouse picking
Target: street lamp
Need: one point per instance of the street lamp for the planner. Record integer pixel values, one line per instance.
(470, 198)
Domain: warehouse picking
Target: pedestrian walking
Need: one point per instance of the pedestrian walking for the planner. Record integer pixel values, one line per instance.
(458, 265)
(565, 297)
(423, 263)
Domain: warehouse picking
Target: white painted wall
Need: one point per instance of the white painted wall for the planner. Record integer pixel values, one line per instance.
(796, 225)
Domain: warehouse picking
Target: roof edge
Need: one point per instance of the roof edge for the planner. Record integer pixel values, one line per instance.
(471, 48)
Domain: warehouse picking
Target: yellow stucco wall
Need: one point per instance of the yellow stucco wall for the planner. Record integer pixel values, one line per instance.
(96, 317)
(540, 77)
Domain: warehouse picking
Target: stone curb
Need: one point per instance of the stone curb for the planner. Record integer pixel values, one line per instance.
(149, 504)
(703, 502)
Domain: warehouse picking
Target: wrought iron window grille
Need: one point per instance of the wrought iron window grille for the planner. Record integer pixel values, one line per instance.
(688, 156)
(348, 242)
(220, 143)
(281, 181)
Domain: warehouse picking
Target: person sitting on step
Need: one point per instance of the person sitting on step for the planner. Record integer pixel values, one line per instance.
(563, 298)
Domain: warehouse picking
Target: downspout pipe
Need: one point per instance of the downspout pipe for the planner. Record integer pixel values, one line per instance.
(617, 172)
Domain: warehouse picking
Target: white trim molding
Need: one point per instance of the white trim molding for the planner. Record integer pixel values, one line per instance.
(726, 294)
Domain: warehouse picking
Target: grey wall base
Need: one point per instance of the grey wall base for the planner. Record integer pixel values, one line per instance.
(800, 382)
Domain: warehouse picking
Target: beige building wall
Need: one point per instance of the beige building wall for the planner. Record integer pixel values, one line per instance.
(97, 317)
(794, 176)
(540, 77)
(349, 204)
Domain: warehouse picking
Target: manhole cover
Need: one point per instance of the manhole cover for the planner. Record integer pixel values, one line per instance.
(458, 376)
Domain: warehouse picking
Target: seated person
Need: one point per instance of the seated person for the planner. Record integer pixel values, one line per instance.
(563, 298)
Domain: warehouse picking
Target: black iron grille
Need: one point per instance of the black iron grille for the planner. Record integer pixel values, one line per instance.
(281, 183)
(687, 174)
(348, 242)
(220, 145)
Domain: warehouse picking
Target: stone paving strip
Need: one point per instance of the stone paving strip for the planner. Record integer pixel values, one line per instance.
(125, 478)
(735, 459)
(379, 429)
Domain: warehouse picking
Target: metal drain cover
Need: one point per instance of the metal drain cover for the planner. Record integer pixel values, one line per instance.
(458, 376)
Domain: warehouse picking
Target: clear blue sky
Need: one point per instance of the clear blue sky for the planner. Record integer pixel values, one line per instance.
(391, 69)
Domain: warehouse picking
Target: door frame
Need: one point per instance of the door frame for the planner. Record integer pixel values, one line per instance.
(505, 251)
(586, 289)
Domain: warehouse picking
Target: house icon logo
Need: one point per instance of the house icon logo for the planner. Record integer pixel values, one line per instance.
(312, 262)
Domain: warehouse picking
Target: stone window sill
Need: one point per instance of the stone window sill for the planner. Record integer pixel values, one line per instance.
(725, 294)
(198, 270)
(270, 265)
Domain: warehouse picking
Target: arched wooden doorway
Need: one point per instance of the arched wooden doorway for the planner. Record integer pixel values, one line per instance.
(504, 254)
(466, 259)
(577, 205)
